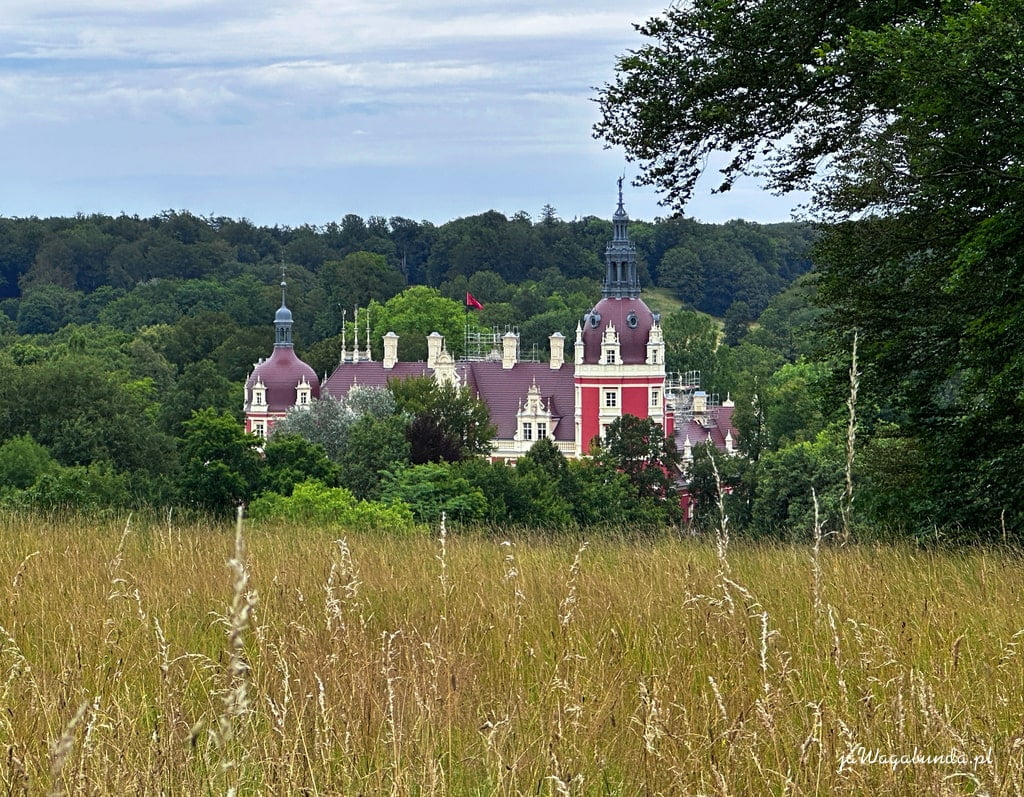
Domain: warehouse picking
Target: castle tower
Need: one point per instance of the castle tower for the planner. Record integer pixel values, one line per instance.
(620, 350)
(280, 382)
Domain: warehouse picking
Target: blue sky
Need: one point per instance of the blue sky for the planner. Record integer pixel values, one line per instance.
(302, 112)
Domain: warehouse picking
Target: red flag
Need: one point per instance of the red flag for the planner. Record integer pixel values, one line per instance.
(472, 302)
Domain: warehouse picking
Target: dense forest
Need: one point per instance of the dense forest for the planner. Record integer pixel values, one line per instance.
(124, 343)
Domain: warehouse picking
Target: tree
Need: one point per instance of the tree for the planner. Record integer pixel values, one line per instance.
(327, 422)
(220, 463)
(22, 461)
(747, 79)
(913, 107)
(289, 460)
(691, 343)
(374, 446)
(200, 386)
(83, 411)
(356, 279)
(413, 315)
(681, 270)
(46, 308)
(639, 448)
(713, 476)
(448, 423)
(432, 489)
(790, 480)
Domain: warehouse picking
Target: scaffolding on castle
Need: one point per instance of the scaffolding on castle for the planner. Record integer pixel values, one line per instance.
(683, 391)
(487, 346)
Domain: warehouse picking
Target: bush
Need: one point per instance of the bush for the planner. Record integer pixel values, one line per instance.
(86, 488)
(314, 502)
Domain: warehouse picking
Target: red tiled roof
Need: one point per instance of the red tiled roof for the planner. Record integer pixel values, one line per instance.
(369, 374)
(632, 340)
(504, 391)
(717, 425)
(281, 373)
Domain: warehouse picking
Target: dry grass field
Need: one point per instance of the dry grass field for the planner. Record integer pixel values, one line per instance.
(144, 657)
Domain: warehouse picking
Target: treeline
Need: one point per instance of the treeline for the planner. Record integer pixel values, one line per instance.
(124, 343)
(113, 269)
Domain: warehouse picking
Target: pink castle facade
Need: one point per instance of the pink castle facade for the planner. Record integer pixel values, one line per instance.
(616, 366)
(280, 382)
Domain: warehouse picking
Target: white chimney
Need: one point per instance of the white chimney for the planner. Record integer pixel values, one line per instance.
(435, 342)
(390, 350)
(509, 350)
(557, 341)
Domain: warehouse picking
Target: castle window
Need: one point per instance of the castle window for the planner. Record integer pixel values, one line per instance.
(609, 356)
(258, 397)
(527, 430)
(632, 320)
(259, 429)
(655, 397)
(611, 398)
(303, 397)
(542, 430)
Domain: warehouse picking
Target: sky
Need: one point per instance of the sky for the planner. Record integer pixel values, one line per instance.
(301, 112)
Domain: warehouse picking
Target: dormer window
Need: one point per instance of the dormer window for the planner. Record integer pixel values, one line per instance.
(257, 397)
(609, 356)
(303, 393)
(534, 419)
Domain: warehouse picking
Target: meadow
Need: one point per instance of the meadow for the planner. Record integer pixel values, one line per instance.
(144, 656)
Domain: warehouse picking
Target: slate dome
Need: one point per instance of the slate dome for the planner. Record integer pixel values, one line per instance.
(281, 374)
(632, 320)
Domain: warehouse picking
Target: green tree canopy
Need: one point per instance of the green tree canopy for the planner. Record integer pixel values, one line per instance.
(413, 315)
(913, 108)
(22, 461)
(448, 423)
(220, 463)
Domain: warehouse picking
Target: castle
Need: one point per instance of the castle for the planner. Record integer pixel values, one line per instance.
(617, 366)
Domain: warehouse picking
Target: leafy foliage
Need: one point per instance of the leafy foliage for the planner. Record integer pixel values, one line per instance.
(913, 109)
(220, 463)
(314, 502)
(448, 423)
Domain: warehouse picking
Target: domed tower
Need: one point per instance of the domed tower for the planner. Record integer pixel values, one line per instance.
(279, 383)
(620, 349)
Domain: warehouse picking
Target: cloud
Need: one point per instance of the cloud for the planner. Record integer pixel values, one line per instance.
(239, 97)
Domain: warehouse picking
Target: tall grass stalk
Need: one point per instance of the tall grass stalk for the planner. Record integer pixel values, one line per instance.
(627, 672)
(851, 440)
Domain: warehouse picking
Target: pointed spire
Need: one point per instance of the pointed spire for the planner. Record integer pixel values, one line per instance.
(283, 318)
(344, 344)
(355, 335)
(369, 352)
(621, 280)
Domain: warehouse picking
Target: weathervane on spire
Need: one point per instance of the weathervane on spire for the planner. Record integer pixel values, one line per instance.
(620, 188)
(283, 284)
